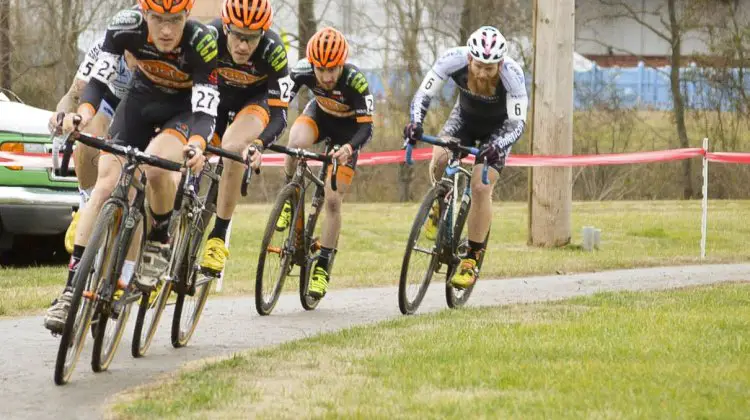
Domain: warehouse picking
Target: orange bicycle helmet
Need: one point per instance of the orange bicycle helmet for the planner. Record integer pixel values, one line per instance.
(167, 6)
(248, 14)
(327, 48)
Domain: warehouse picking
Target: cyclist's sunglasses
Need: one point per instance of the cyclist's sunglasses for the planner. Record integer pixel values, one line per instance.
(249, 38)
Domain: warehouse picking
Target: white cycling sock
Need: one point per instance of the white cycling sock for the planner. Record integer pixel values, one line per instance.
(128, 267)
(84, 196)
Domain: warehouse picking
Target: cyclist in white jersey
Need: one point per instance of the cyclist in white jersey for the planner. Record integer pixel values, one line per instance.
(86, 158)
(490, 113)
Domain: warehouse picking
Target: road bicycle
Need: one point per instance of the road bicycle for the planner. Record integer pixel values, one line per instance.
(450, 242)
(96, 295)
(295, 245)
(193, 214)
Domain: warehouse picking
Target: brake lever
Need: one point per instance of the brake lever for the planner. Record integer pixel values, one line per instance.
(485, 172)
(189, 154)
(335, 171)
(67, 144)
(248, 173)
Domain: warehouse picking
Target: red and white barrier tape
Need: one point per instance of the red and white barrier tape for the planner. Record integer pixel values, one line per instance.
(44, 161)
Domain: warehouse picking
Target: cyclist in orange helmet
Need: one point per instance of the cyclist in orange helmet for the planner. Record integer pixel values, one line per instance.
(174, 90)
(254, 84)
(340, 114)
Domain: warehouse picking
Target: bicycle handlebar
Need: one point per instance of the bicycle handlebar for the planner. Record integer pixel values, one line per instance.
(453, 146)
(305, 154)
(138, 156)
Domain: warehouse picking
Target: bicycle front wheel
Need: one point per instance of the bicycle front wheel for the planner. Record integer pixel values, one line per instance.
(111, 326)
(85, 284)
(276, 253)
(453, 296)
(193, 291)
(421, 255)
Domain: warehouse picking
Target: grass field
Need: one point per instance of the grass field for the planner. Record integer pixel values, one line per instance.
(673, 354)
(642, 233)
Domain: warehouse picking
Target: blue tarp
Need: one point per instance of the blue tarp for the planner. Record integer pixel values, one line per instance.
(633, 87)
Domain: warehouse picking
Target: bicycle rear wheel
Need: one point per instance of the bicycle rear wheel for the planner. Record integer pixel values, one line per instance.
(87, 279)
(453, 296)
(110, 329)
(416, 273)
(308, 302)
(150, 310)
(193, 289)
(275, 259)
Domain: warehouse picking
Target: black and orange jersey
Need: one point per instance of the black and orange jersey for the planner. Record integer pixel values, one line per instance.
(350, 97)
(264, 74)
(188, 70)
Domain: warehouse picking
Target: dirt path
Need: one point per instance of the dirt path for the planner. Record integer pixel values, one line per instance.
(231, 324)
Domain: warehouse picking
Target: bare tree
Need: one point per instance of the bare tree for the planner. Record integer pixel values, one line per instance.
(671, 21)
(511, 17)
(5, 45)
(43, 61)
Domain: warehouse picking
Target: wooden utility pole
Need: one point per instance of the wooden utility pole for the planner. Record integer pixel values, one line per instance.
(551, 189)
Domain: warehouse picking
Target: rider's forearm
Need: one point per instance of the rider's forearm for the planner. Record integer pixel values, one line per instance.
(201, 128)
(275, 126)
(362, 136)
(69, 102)
(92, 95)
(509, 133)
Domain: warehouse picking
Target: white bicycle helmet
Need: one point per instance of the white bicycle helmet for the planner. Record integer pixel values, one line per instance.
(487, 45)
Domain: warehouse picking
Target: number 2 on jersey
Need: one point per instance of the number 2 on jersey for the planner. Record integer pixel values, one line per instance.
(285, 88)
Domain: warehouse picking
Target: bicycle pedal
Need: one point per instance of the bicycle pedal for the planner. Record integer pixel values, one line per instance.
(209, 272)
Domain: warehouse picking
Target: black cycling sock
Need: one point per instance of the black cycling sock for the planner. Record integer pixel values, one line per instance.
(160, 228)
(325, 258)
(220, 229)
(75, 258)
(475, 250)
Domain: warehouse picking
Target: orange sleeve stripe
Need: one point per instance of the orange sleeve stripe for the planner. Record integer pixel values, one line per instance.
(173, 132)
(364, 119)
(216, 140)
(278, 103)
(200, 140)
(84, 107)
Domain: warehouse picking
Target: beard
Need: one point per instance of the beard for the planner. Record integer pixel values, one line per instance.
(483, 86)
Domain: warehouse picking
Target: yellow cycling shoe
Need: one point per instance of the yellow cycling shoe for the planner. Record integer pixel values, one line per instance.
(430, 227)
(318, 283)
(70, 234)
(215, 255)
(466, 275)
(285, 217)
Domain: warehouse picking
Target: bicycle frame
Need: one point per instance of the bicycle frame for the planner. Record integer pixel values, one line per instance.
(131, 217)
(302, 174)
(450, 180)
(453, 172)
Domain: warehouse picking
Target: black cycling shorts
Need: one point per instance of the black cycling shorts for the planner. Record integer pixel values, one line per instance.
(230, 108)
(333, 130)
(140, 114)
(472, 133)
